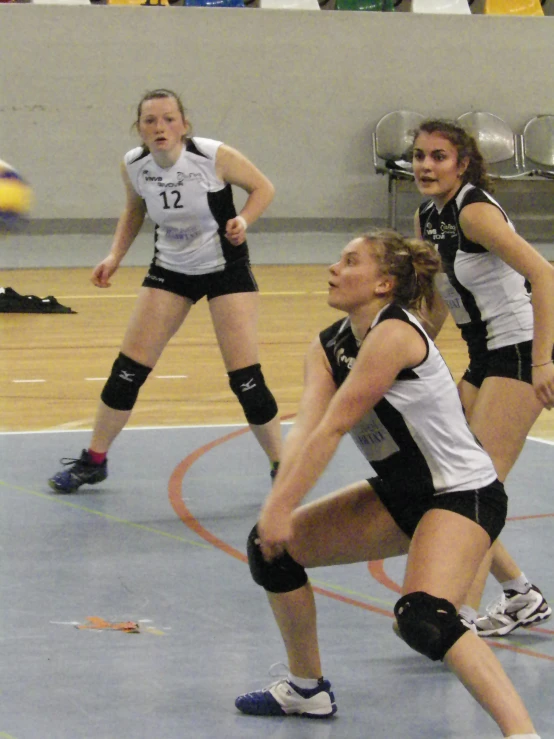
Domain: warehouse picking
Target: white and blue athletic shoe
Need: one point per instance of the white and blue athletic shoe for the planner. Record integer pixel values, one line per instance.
(283, 698)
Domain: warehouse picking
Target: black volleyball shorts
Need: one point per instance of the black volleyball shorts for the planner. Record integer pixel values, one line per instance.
(487, 506)
(237, 277)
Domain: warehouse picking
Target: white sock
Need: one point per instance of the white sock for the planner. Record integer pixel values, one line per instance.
(306, 683)
(523, 736)
(468, 613)
(521, 584)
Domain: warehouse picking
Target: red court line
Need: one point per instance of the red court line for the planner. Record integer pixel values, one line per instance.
(377, 571)
(175, 486)
(520, 650)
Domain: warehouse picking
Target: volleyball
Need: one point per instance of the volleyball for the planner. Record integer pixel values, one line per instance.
(15, 198)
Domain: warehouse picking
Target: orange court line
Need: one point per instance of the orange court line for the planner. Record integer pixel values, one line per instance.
(377, 571)
(175, 486)
(528, 518)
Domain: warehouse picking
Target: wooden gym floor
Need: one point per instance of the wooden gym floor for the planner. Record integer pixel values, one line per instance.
(160, 544)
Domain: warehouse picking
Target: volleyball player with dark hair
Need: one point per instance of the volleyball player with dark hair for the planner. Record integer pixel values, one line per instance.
(509, 331)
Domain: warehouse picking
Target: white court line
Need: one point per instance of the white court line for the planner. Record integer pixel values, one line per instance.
(103, 379)
(277, 293)
(72, 425)
(540, 441)
(94, 297)
(139, 428)
(170, 377)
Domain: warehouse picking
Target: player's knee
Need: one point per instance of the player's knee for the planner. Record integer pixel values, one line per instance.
(281, 575)
(122, 387)
(427, 624)
(255, 397)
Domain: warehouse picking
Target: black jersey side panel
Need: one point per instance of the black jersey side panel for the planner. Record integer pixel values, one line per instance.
(223, 209)
(443, 230)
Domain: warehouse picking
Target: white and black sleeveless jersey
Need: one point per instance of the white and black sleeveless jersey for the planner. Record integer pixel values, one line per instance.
(190, 206)
(489, 300)
(416, 437)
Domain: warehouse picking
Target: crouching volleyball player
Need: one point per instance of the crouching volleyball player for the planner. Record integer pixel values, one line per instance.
(376, 375)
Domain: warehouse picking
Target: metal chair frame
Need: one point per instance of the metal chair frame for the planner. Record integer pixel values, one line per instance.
(508, 155)
(499, 145)
(392, 139)
(538, 145)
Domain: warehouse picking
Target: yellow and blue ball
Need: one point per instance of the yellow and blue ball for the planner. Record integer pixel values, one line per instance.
(16, 198)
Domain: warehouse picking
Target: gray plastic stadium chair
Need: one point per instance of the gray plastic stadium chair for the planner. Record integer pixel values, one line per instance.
(538, 145)
(392, 140)
(501, 148)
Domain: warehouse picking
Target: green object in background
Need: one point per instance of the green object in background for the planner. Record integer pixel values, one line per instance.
(380, 5)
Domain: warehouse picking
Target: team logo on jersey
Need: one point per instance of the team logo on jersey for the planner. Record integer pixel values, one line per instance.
(342, 358)
(448, 228)
(444, 231)
(180, 178)
(432, 233)
(150, 178)
(190, 176)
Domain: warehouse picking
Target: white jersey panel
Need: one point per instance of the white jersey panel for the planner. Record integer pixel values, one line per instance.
(452, 298)
(373, 439)
(429, 408)
(500, 295)
(177, 201)
(479, 287)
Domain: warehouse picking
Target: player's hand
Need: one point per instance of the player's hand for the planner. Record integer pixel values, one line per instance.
(102, 272)
(543, 384)
(274, 530)
(235, 230)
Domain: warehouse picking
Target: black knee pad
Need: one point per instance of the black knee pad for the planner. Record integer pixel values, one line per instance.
(427, 624)
(122, 388)
(281, 575)
(257, 401)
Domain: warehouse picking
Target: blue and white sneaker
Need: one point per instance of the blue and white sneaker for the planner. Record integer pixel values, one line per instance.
(80, 471)
(283, 698)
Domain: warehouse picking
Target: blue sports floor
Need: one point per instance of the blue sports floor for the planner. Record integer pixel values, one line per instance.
(160, 545)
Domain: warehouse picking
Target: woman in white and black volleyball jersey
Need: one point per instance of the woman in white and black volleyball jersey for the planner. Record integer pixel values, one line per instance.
(377, 375)
(509, 329)
(200, 250)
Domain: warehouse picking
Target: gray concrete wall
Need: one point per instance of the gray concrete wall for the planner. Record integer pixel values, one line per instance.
(297, 92)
